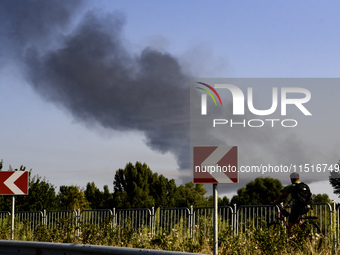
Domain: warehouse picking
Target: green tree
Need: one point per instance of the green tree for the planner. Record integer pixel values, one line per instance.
(163, 191)
(137, 186)
(320, 198)
(41, 195)
(93, 196)
(191, 194)
(132, 186)
(107, 198)
(71, 198)
(334, 179)
(98, 199)
(258, 192)
(224, 201)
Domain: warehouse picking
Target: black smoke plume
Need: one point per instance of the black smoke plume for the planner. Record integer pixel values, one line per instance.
(89, 71)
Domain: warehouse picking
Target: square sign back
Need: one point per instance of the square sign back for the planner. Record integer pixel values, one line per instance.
(215, 164)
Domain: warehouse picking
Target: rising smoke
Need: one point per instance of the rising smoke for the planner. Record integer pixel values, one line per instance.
(91, 73)
(32, 22)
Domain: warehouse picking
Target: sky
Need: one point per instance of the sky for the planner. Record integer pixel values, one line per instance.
(89, 86)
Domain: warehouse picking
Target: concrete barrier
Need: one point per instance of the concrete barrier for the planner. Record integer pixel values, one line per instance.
(44, 248)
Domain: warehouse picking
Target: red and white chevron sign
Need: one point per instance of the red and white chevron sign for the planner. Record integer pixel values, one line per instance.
(215, 164)
(14, 183)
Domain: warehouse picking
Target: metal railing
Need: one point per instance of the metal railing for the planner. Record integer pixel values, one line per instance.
(134, 218)
(171, 219)
(254, 216)
(61, 219)
(203, 219)
(4, 215)
(96, 217)
(324, 213)
(189, 221)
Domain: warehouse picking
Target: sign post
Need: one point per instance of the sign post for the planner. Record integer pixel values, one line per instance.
(12, 217)
(13, 183)
(215, 164)
(215, 218)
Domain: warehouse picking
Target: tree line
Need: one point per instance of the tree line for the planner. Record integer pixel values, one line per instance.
(136, 186)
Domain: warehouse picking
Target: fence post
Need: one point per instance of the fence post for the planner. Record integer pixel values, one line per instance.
(12, 217)
(334, 227)
(234, 220)
(215, 219)
(192, 221)
(44, 217)
(114, 217)
(152, 221)
(78, 219)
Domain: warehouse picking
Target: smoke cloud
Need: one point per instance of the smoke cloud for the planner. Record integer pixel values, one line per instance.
(32, 22)
(91, 73)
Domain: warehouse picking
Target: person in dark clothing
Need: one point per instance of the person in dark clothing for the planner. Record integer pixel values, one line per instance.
(297, 210)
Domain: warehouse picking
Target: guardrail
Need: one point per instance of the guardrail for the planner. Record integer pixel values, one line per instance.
(33, 248)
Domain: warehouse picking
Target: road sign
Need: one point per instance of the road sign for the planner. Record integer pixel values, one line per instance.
(14, 183)
(215, 164)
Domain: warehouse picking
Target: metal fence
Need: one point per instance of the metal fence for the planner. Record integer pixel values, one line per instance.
(61, 219)
(188, 221)
(97, 217)
(324, 212)
(174, 219)
(203, 219)
(254, 216)
(136, 218)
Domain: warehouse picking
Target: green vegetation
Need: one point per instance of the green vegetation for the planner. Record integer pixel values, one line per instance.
(334, 180)
(255, 241)
(259, 192)
(136, 186)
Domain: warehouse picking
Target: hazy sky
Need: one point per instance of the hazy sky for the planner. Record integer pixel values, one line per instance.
(88, 86)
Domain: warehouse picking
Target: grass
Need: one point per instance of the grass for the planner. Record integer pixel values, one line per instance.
(251, 241)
